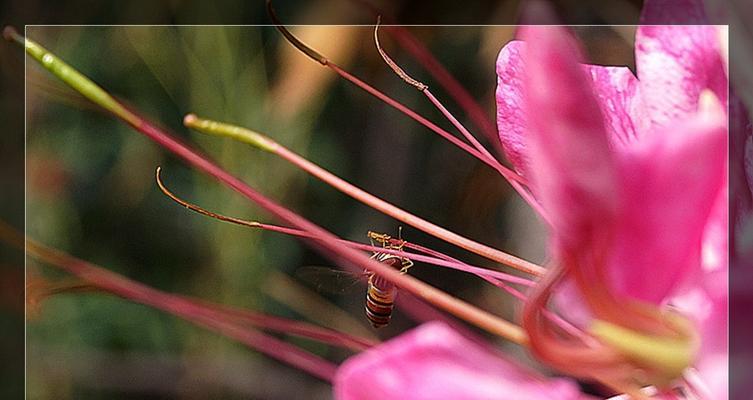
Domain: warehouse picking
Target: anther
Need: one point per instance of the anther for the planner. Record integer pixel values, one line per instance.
(311, 53)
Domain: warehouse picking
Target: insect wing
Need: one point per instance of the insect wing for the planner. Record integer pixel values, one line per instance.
(330, 280)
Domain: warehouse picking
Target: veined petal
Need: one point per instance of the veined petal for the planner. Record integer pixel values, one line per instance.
(435, 362)
(510, 112)
(616, 90)
(574, 174)
(676, 63)
(671, 181)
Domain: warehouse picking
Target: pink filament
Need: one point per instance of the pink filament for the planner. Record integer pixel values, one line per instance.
(177, 305)
(412, 114)
(446, 80)
(437, 258)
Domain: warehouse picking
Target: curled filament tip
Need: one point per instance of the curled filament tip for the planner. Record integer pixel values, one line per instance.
(311, 53)
(399, 71)
(194, 207)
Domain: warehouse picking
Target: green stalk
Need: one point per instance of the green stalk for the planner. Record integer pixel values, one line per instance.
(73, 78)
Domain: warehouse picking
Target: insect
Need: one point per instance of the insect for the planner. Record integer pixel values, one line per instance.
(380, 294)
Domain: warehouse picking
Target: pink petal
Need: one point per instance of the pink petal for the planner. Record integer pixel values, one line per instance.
(713, 362)
(670, 184)
(510, 113)
(707, 305)
(675, 63)
(714, 253)
(574, 174)
(616, 90)
(570, 304)
(435, 362)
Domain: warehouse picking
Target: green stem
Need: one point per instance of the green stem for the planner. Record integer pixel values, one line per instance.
(73, 78)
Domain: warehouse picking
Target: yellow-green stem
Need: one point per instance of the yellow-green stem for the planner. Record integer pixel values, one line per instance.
(265, 143)
(75, 79)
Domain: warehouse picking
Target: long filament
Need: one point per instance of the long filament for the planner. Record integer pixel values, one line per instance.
(137, 292)
(263, 142)
(439, 261)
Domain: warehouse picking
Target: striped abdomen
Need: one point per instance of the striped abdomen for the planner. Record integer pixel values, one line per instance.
(380, 296)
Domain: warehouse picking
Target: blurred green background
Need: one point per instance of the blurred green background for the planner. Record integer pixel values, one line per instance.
(90, 191)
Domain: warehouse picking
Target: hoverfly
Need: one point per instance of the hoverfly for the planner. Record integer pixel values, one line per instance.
(380, 294)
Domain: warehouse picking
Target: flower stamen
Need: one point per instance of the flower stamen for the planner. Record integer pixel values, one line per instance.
(314, 55)
(196, 312)
(436, 258)
(454, 89)
(515, 180)
(325, 241)
(265, 143)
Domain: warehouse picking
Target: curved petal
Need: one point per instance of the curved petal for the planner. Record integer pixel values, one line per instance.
(676, 63)
(435, 362)
(713, 358)
(616, 89)
(713, 361)
(509, 96)
(574, 175)
(671, 182)
(707, 303)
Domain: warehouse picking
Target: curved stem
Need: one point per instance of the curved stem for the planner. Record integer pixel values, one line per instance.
(255, 138)
(326, 242)
(421, 120)
(316, 56)
(440, 260)
(424, 57)
(515, 180)
(176, 305)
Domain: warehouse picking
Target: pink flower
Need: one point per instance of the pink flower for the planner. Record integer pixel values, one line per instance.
(631, 174)
(605, 148)
(435, 362)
